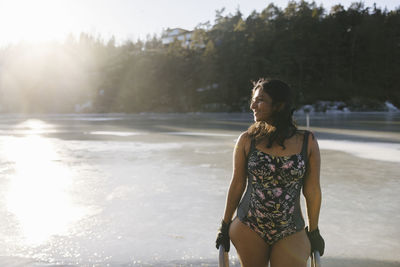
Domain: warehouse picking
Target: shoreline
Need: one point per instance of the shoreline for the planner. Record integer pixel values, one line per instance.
(296, 112)
(350, 129)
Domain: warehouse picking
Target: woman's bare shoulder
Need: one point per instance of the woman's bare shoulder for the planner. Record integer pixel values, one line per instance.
(245, 136)
(244, 141)
(302, 133)
(312, 143)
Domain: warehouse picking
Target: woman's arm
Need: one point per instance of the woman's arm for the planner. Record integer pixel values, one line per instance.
(238, 182)
(312, 188)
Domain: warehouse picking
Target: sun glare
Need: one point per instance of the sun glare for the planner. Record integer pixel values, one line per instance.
(38, 191)
(35, 21)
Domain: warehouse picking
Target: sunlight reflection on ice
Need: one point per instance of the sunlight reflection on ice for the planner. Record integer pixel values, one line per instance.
(38, 191)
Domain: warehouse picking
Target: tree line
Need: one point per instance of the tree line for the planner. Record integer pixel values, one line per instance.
(350, 55)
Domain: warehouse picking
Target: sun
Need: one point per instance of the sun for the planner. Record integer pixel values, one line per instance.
(35, 21)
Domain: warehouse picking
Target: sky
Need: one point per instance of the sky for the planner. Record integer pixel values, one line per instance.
(46, 20)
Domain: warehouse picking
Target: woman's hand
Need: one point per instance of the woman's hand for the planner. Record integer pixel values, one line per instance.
(316, 240)
(312, 191)
(223, 236)
(236, 188)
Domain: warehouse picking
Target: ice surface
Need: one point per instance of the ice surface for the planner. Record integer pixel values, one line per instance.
(370, 150)
(149, 190)
(116, 133)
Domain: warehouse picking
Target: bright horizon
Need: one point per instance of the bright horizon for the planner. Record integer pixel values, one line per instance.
(53, 20)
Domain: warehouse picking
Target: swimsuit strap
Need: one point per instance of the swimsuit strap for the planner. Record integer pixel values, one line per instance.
(253, 144)
(252, 147)
(305, 145)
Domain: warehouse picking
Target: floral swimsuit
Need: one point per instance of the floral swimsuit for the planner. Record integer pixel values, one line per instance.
(271, 204)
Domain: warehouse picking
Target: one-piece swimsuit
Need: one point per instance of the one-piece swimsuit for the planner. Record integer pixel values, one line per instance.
(271, 204)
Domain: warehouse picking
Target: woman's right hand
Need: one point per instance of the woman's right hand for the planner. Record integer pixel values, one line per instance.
(236, 188)
(316, 240)
(223, 236)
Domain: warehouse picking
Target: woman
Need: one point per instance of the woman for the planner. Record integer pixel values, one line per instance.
(275, 160)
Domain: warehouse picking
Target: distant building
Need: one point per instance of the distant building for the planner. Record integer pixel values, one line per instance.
(169, 35)
(185, 36)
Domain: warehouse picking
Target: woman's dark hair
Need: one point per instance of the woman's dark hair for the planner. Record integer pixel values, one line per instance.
(282, 125)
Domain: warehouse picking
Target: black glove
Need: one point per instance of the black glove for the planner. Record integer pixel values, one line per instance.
(223, 236)
(316, 240)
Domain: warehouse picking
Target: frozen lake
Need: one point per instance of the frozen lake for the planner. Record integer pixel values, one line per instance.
(149, 189)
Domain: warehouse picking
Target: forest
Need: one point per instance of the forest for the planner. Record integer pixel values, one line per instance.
(350, 55)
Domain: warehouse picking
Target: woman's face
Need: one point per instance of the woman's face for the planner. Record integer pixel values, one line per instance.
(261, 104)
